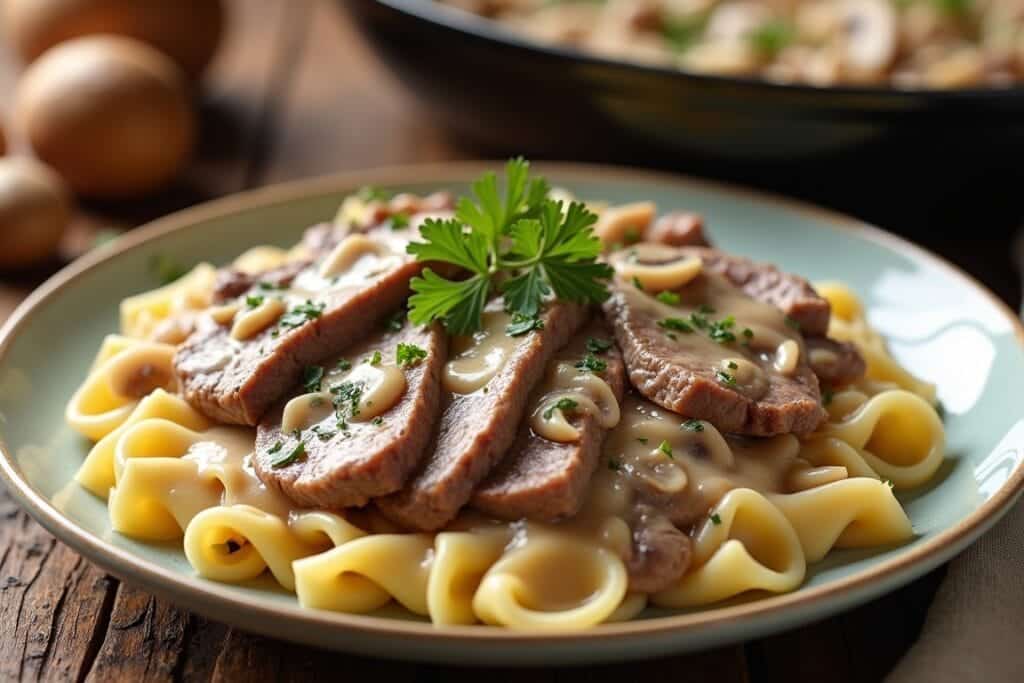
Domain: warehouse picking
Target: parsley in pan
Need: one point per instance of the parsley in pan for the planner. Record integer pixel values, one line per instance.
(520, 244)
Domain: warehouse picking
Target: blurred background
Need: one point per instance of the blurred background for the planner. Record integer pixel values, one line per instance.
(136, 109)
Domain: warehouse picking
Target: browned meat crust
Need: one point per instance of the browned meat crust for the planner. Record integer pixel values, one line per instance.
(372, 459)
(546, 480)
(477, 429)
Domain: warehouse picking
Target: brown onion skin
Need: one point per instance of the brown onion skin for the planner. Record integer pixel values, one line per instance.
(111, 115)
(35, 209)
(188, 31)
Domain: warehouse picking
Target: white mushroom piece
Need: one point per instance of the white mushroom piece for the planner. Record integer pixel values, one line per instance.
(868, 40)
(726, 49)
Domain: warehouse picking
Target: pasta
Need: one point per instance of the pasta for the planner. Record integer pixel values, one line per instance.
(673, 510)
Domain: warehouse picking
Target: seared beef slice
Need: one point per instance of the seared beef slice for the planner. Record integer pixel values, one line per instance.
(236, 380)
(348, 459)
(477, 428)
(547, 480)
(703, 365)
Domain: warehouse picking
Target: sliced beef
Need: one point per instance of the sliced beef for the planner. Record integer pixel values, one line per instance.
(678, 229)
(232, 283)
(689, 383)
(346, 465)
(835, 363)
(661, 553)
(764, 282)
(547, 480)
(235, 382)
(477, 429)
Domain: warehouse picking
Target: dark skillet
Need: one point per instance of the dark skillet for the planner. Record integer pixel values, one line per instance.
(511, 93)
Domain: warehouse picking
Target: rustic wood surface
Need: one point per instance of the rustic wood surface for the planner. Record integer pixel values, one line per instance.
(295, 92)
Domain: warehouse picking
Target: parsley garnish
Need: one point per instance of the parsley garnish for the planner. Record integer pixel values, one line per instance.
(369, 193)
(165, 268)
(301, 314)
(374, 359)
(636, 283)
(595, 345)
(795, 324)
(408, 355)
(377, 421)
(291, 456)
(400, 221)
(642, 439)
(670, 298)
(748, 333)
(692, 426)
(592, 363)
(771, 37)
(522, 240)
(311, 377)
(715, 519)
(705, 309)
(275, 448)
(323, 434)
(666, 448)
(725, 378)
(269, 286)
(721, 331)
(521, 324)
(677, 324)
(346, 398)
(826, 397)
(732, 365)
(560, 404)
(253, 300)
(344, 364)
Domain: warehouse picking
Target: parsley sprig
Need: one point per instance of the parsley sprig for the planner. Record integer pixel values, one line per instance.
(520, 244)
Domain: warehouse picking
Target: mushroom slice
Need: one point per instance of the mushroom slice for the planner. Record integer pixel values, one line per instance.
(869, 38)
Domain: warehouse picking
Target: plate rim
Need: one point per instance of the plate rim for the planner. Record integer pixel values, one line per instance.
(224, 603)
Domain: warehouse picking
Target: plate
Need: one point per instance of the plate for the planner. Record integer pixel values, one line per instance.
(942, 324)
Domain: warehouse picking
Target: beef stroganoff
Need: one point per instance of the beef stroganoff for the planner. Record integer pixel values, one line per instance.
(933, 44)
(581, 409)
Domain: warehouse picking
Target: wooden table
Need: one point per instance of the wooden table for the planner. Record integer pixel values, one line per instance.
(295, 92)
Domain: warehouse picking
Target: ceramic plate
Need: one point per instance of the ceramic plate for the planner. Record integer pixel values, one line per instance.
(942, 325)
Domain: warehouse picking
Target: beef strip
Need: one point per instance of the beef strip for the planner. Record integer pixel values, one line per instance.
(476, 429)
(346, 466)
(660, 553)
(547, 480)
(764, 282)
(232, 283)
(678, 229)
(835, 363)
(235, 382)
(686, 382)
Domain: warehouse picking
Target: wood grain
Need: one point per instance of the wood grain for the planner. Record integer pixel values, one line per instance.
(295, 92)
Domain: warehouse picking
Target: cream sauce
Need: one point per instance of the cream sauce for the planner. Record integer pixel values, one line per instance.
(477, 358)
(761, 342)
(590, 394)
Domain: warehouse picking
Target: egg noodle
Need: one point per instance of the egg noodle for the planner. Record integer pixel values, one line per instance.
(170, 474)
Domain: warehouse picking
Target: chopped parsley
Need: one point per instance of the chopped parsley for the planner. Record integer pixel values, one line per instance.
(275, 448)
(715, 519)
(517, 242)
(771, 37)
(591, 363)
(666, 448)
(595, 345)
(369, 193)
(344, 364)
(692, 426)
(301, 314)
(522, 324)
(269, 286)
(289, 457)
(254, 300)
(748, 333)
(676, 324)
(312, 376)
(721, 331)
(399, 221)
(795, 324)
(732, 365)
(888, 482)
(408, 355)
(725, 378)
(699, 320)
(826, 397)
(670, 298)
(642, 439)
(166, 269)
(561, 404)
(374, 359)
(705, 309)
(323, 434)
(377, 421)
(346, 397)
(636, 283)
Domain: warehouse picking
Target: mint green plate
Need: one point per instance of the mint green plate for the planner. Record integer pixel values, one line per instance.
(943, 325)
